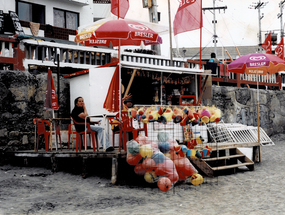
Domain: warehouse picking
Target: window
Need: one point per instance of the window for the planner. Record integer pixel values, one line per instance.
(65, 19)
(31, 12)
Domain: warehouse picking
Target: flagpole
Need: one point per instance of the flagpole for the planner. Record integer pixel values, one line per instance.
(170, 34)
(201, 37)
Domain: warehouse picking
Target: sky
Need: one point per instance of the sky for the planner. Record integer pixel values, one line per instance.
(236, 26)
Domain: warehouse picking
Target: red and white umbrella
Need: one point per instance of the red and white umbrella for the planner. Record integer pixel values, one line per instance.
(119, 32)
(257, 63)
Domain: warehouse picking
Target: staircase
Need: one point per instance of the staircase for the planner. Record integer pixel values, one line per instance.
(222, 161)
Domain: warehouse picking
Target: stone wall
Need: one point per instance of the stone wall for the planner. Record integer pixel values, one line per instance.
(240, 105)
(22, 97)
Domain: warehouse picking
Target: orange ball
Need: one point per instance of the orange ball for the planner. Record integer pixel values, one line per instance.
(164, 184)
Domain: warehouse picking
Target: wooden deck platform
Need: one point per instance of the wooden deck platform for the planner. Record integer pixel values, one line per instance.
(69, 153)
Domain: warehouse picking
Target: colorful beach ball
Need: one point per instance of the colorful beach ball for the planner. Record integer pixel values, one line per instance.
(164, 184)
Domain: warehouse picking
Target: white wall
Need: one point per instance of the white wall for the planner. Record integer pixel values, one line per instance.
(85, 11)
(7, 5)
(79, 86)
(101, 10)
(99, 82)
(93, 87)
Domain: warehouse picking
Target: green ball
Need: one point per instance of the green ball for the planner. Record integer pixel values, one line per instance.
(162, 136)
(133, 147)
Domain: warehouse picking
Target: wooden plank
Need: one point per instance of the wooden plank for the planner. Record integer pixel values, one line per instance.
(205, 168)
(225, 157)
(221, 146)
(130, 82)
(232, 166)
(114, 170)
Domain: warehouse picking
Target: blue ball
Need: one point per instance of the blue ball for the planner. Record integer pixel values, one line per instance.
(164, 147)
(158, 157)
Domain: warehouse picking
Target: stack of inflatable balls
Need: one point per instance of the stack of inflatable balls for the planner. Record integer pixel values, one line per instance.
(182, 115)
(158, 162)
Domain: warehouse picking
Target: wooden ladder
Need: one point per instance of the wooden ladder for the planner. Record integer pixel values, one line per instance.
(223, 161)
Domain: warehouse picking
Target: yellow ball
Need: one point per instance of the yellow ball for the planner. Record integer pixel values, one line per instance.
(150, 177)
(196, 179)
(146, 151)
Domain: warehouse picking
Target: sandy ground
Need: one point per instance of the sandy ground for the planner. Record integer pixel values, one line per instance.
(37, 190)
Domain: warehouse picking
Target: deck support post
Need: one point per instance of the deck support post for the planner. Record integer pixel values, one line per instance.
(84, 167)
(114, 170)
(54, 166)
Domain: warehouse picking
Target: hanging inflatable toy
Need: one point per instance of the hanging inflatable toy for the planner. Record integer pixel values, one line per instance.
(168, 114)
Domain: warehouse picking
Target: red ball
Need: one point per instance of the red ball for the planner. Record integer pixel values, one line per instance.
(164, 184)
(174, 177)
(184, 168)
(148, 164)
(139, 169)
(133, 159)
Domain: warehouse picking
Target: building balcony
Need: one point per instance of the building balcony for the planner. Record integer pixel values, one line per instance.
(31, 54)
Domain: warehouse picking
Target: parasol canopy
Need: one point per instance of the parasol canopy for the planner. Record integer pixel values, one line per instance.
(128, 32)
(257, 63)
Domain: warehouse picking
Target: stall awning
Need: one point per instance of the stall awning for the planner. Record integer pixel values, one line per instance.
(156, 68)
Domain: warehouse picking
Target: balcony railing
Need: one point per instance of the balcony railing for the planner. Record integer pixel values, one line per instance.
(233, 79)
(75, 56)
(20, 55)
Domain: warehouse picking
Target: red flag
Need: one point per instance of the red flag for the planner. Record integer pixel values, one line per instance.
(51, 98)
(188, 16)
(123, 7)
(267, 44)
(113, 95)
(279, 50)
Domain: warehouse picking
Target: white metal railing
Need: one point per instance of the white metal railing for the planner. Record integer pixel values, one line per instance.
(75, 56)
(155, 60)
(261, 78)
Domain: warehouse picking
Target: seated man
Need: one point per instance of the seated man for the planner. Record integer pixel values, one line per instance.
(79, 113)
